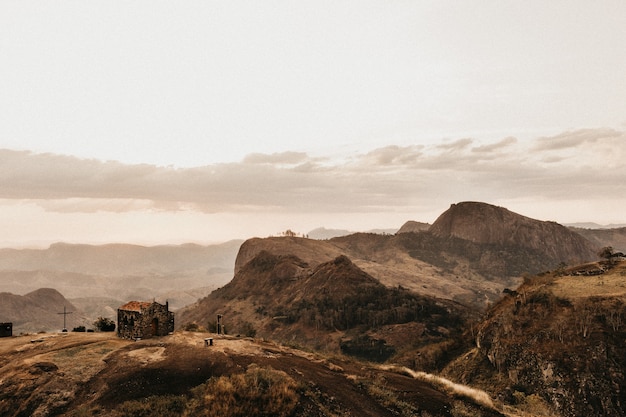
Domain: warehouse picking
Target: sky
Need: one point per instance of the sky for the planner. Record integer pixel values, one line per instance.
(156, 122)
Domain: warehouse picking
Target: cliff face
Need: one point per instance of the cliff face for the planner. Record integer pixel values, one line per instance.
(555, 343)
(485, 223)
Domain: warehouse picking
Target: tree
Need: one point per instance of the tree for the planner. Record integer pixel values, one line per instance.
(606, 252)
(104, 324)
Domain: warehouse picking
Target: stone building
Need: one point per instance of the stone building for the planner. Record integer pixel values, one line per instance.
(144, 319)
(6, 329)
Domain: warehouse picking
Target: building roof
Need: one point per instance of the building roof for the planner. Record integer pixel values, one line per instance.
(135, 305)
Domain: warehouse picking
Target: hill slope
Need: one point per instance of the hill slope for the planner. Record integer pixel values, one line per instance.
(470, 254)
(615, 237)
(557, 343)
(97, 374)
(331, 306)
(38, 311)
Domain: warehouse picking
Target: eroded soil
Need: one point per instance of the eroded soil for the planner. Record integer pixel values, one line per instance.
(55, 374)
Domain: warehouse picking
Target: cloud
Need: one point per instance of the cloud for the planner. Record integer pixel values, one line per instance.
(288, 158)
(583, 165)
(495, 146)
(394, 155)
(573, 139)
(457, 145)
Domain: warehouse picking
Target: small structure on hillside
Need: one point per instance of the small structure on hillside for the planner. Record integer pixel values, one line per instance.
(144, 319)
(6, 329)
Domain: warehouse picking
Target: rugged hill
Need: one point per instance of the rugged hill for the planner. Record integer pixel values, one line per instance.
(485, 223)
(556, 344)
(38, 311)
(331, 306)
(92, 374)
(470, 254)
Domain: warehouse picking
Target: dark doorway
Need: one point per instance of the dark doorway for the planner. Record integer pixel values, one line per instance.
(155, 326)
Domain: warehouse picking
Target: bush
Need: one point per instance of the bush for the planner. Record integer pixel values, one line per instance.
(258, 392)
(79, 329)
(104, 324)
(193, 327)
(164, 406)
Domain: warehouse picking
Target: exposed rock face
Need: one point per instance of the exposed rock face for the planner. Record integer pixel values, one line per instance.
(558, 340)
(486, 223)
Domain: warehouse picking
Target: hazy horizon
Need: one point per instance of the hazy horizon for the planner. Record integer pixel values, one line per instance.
(154, 123)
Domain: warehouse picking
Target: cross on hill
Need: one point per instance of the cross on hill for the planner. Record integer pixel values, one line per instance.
(65, 313)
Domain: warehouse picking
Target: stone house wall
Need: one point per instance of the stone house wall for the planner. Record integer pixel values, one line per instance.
(143, 320)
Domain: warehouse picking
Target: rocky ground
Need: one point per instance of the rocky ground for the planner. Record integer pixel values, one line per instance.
(94, 373)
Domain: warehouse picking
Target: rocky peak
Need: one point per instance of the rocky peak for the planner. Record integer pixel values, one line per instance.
(489, 224)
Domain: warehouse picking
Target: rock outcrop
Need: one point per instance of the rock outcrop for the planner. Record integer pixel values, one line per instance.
(489, 224)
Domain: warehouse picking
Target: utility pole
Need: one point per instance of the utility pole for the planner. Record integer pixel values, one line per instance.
(65, 313)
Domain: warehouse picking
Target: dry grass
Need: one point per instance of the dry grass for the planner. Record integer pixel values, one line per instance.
(258, 392)
(610, 284)
(476, 396)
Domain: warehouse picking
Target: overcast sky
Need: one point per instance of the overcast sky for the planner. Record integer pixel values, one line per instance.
(202, 121)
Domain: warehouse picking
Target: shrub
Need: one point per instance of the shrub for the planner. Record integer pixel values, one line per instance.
(192, 327)
(162, 406)
(104, 324)
(79, 329)
(257, 392)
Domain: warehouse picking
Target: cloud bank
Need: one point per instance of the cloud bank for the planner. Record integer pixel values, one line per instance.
(575, 165)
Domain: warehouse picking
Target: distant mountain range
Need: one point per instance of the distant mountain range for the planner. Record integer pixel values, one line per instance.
(469, 255)
(322, 233)
(98, 279)
(589, 225)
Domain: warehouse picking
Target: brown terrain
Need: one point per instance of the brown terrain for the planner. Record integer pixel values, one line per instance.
(518, 308)
(98, 374)
(98, 279)
(470, 253)
(556, 345)
(38, 310)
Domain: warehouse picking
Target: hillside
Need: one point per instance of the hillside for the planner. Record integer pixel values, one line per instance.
(615, 237)
(38, 310)
(470, 254)
(556, 344)
(76, 374)
(334, 306)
